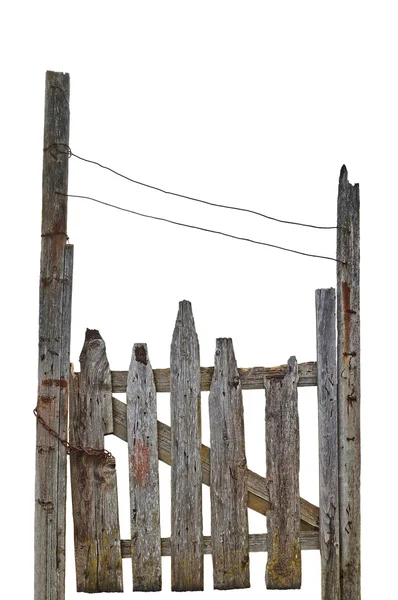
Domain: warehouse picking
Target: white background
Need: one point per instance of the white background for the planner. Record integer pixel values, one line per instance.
(255, 104)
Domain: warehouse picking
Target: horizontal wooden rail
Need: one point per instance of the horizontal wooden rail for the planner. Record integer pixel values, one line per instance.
(258, 542)
(251, 379)
(258, 494)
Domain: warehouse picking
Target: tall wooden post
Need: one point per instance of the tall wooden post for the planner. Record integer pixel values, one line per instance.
(54, 340)
(348, 377)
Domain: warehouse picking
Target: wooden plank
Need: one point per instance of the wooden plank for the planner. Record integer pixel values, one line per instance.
(251, 379)
(186, 472)
(283, 462)
(144, 473)
(258, 542)
(328, 443)
(93, 478)
(54, 340)
(228, 474)
(258, 495)
(348, 369)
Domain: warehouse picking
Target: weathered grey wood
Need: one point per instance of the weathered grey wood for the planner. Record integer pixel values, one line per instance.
(283, 462)
(348, 369)
(186, 472)
(144, 473)
(251, 379)
(258, 495)
(325, 301)
(54, 340)
(228, 474)
(93, 478)
(257, 543)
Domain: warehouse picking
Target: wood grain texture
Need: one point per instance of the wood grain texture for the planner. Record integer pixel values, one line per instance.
(258, 542)
(251, 378)
(325, 301)
(258, 494)
(186, 472)
(54, 341)
(93, 478)
(348, 369)
(283, 463)
(228, 474)
(144, 473)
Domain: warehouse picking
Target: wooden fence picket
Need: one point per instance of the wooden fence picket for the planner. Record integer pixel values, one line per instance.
(329, 523)
(186, 470)
(283, 460)
(144, 473)
(93, 478)
(228, 474)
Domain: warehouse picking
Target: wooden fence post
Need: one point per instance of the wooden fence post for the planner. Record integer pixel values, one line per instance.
(54, 340)
(348, 373)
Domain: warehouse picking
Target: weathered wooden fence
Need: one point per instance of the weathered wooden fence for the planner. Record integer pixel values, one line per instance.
(292, 522)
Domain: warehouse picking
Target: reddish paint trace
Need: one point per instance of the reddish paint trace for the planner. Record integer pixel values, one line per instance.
(62, 383)
(140, 463)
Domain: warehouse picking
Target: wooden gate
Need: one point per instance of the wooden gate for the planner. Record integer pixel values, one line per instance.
(293, 524)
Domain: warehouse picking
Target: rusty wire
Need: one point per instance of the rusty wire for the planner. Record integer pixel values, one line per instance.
(98, 452)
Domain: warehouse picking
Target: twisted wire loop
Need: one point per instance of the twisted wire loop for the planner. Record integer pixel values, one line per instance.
(98, 452)
(55, 146)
